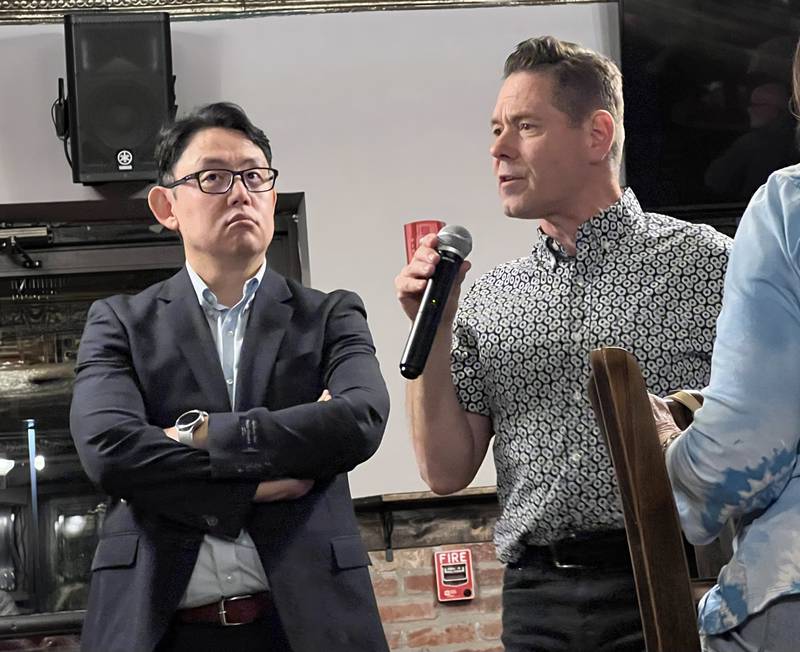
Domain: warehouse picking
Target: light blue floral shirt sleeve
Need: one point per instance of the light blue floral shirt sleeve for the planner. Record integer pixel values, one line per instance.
(738, 458)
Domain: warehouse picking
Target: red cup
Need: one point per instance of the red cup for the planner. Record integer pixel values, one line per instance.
(415, 231)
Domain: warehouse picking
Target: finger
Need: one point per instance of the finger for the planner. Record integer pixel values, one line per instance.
(431, 240)
(659, 407)
(416, 272)
(426, 255)
(419, 269)
(665, 424)
(409, 287)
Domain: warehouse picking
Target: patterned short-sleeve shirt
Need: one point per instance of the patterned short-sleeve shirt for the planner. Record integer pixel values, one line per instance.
(646, 282)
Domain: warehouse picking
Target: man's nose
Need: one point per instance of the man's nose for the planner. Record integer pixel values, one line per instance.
(501, 147)
(238, 189)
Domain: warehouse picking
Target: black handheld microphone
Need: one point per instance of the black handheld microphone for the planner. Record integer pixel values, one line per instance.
(455, 243)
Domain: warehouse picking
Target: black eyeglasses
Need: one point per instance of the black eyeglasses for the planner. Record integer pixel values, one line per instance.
(218, 182)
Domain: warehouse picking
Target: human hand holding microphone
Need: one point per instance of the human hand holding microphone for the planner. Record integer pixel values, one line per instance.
(428, 288)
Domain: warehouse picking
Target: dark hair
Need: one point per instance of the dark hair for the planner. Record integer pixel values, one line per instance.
(583, 80)
(175, 136)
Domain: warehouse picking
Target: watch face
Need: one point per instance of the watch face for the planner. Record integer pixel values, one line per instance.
(188, 419)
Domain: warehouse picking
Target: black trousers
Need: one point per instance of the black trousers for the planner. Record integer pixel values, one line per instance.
(263, 635)
(586, 609)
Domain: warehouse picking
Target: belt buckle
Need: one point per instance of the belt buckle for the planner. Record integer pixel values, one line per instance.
(223, 620)
(554, 548)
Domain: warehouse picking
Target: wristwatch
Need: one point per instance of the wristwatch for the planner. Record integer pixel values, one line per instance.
(187, 423)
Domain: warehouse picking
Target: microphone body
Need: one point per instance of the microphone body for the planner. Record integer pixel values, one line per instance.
(455, 244)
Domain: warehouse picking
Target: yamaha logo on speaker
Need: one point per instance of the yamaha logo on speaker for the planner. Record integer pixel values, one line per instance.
(125, 159)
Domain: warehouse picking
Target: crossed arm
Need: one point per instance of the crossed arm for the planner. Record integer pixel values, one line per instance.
(268, 490)
(210, 489)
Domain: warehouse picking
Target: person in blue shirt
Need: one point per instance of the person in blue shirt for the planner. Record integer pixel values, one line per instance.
(738, 459)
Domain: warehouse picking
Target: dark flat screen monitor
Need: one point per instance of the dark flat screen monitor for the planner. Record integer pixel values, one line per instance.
(708, 113)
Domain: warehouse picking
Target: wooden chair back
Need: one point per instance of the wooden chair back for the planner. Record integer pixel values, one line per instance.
(622, 408)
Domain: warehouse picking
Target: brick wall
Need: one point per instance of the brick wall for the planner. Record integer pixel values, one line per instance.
(413, 618)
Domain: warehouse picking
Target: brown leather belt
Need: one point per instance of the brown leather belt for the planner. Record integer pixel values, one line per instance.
(238, 610)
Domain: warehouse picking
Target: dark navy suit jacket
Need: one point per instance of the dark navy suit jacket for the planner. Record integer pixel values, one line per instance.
(145, 359)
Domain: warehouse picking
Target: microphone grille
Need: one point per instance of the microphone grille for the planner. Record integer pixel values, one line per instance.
(456, 238)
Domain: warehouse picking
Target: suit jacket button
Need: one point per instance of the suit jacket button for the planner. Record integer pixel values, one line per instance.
(211, 521)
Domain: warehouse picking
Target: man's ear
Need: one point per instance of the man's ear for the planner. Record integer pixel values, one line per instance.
(601, 135)
(160, 200)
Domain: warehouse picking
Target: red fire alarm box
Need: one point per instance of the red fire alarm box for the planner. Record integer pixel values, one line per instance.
(454, 578)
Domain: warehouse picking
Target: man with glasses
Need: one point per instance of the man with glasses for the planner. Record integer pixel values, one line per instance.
(221, 410)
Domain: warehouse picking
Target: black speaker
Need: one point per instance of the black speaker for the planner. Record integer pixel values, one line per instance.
(120, 91)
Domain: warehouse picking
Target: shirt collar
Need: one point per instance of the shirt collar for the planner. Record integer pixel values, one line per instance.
(208, 299)
(600, 233)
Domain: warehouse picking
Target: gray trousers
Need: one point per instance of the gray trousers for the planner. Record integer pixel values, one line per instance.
(776, 629)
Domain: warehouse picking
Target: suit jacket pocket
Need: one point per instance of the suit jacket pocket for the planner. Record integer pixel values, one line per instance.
(349, 552)
(118, 551)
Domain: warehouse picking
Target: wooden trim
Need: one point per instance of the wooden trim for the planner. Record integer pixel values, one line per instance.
(424, 496)
(429, 525)
(14, 12)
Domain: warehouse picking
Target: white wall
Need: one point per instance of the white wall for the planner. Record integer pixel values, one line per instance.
(381, 118)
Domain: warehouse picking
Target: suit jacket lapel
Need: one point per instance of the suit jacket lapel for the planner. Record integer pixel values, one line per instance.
(192, 335)
(270, 314)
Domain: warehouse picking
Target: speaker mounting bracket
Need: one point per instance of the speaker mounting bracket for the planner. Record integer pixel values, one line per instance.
(11, 243)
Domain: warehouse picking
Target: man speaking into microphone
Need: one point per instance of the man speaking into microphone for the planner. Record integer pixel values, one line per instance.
(511, 361)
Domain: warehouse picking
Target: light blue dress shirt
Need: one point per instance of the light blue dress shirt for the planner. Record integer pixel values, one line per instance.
(225, 568)
(739, 457)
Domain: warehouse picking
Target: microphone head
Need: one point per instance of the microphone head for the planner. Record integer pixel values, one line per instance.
(455, 238)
